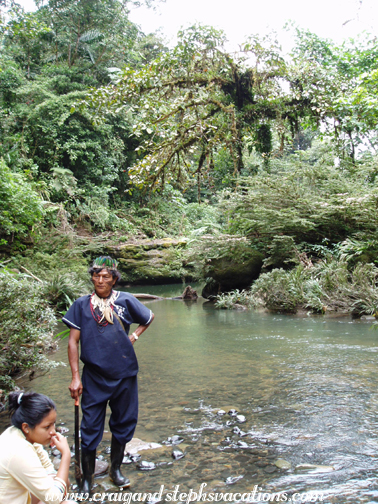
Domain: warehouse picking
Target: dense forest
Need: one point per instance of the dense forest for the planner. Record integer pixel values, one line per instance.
(262, 166)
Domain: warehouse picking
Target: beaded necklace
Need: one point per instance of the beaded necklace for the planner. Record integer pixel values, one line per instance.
(102, 309)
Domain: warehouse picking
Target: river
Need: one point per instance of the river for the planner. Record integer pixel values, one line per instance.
(304, 389)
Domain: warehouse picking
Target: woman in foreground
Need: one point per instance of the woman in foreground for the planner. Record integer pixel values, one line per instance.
(27, 475)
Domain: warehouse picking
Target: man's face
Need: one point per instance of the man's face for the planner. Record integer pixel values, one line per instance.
(103, 283)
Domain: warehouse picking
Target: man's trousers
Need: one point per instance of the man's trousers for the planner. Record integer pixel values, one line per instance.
(122, 395)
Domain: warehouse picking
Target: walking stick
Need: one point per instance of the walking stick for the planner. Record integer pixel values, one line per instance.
(77, 445)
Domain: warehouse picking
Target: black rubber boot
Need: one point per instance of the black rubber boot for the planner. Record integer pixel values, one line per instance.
(116, 457)
(88, 464)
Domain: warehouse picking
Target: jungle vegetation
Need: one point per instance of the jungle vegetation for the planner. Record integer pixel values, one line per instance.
(108, 134)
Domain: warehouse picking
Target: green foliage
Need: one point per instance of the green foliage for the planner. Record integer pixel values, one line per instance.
(25, 31)
(339, 83)
(20, 205)
(263, 139)
(92, 34)
(227, 301)
(278, 290)
(197, 117)
(358, 250)
(193, 101)
(281, 253)
(167, 213)
(27, 323)
(327, 286)
(228, 259)
(58, 252)
(62, 289)
(309, 202)
(10, 79)
(50, 59)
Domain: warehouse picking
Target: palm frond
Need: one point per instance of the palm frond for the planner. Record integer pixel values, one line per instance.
(91, 36)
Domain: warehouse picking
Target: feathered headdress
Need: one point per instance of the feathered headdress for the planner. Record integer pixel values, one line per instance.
(105, 262)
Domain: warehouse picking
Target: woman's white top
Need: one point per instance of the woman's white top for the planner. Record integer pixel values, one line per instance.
(26, 469)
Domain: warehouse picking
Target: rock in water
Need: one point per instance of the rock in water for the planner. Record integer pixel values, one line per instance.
(146, 466)
(174, 440)
(189, 293)
(101, 467)
(127, 460)
(314, 468)
(177, 454)
(233, 479)
(136, 445)
(282, 464)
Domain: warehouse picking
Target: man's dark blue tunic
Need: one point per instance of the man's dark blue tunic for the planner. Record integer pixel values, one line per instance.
(110, 367)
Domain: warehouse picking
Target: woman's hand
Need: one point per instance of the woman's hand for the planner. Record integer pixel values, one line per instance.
(61, 443)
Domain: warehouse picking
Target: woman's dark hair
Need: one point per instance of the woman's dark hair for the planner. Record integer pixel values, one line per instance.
(29, 407)
(115, 273)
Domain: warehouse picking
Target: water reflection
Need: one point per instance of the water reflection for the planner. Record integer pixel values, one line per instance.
(307, 387)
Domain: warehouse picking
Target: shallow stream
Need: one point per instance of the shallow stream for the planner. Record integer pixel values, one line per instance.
(304, 390)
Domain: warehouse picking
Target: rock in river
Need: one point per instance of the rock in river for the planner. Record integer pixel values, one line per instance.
(233, 413)
(146, 466)
(282, 464)
(312, 468)
(233, 479)
(174, 440)
(177, 454)
(136, 445)
(101, 467)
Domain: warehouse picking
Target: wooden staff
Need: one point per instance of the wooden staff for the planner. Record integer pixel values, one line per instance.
(77, 445)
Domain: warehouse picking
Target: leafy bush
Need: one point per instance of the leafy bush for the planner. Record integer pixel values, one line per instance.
(355, 250)
(326, 286)
(308, 203)
(62, 289)
(230, 299)
(27, 322)
(20, 205)
(278, 290)
(281, 252)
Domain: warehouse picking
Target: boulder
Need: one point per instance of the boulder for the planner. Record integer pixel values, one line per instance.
(151, 261)
(211, 289)
(236, 271)
(236, 268)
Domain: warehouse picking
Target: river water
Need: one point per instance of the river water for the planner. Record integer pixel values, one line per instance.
(304, 389)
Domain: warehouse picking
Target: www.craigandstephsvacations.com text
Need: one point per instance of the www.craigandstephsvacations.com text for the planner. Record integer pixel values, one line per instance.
(256, 495)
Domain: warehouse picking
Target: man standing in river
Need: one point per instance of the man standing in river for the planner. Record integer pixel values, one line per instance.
(100, 322)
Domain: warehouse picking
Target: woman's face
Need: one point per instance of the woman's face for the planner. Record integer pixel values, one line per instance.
(42, 432)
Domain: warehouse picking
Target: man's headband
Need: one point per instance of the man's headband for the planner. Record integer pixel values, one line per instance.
(104, 262)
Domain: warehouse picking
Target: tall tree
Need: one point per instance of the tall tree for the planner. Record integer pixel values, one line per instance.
(339, 81)
(197, 99)
(50, 59)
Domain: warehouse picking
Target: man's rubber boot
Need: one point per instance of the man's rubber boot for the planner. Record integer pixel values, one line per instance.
(88, 464)
(116, 457)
